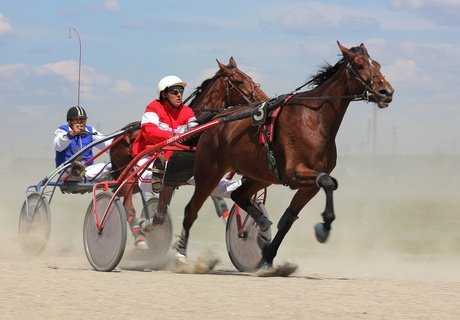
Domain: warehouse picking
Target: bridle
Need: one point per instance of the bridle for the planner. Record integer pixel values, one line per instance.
(230, 85)
(368, 85)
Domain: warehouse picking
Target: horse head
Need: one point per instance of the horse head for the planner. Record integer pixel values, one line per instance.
(228, 87)
(367, 73)
(240, 87)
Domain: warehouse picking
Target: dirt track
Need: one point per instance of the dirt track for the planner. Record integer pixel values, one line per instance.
(66, 288)
(393, 254)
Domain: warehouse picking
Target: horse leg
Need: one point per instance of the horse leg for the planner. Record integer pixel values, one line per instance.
(164, 201)
(204, 185)
(242, 197)
(304, 174)
(158, 217)
(138, 234)
(328, 184)
(300, 199)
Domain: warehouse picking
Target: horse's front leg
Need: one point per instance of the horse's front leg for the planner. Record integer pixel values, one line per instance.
(300, 199)
(300, 175)
(329, 184)
(204, 185)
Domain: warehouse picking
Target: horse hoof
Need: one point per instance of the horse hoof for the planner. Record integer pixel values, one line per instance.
(180, 259)
(159, 218)
(266, 266)
(321, 233)
(283, 270)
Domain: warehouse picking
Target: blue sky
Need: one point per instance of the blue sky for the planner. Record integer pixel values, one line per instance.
(127, 46)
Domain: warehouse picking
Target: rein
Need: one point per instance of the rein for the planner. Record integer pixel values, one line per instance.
(194, 93)
(354, 97)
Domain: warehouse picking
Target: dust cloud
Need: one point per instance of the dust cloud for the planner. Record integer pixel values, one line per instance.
(397, 216)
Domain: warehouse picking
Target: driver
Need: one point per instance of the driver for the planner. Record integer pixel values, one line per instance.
(164, 118)
(75, 135)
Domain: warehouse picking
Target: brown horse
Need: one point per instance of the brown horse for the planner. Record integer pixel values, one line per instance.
(300, 153)
(228, 87)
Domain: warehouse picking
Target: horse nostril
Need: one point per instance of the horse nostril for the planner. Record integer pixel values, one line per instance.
(387, 93)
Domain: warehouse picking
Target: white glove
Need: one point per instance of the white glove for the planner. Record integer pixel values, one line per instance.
(192, 124)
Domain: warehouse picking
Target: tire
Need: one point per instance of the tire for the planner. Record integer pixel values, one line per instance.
(104, 250)
(245, 250)
(160, 238)
(34, 224)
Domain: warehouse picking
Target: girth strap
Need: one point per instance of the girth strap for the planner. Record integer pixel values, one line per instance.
(269, 111)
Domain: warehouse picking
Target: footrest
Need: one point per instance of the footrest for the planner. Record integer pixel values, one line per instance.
(76, 187)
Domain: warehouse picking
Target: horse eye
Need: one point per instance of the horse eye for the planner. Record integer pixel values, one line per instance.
(359, 66)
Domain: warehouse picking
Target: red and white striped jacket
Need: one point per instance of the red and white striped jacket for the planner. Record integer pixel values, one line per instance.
(160, 122)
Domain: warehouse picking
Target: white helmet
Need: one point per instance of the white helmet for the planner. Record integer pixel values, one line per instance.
(169, 81)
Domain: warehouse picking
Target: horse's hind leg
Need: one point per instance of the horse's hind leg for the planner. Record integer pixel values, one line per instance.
(242, 197)
(138, 234)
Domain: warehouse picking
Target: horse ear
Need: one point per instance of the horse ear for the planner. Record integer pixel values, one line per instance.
(341, 47)
(232, 62)
(363, 48)
(221, 66)
(345, 51)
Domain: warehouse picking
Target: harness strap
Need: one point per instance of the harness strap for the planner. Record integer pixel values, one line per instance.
(266, 131)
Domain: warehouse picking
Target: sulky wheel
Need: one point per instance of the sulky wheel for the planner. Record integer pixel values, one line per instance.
(34, 224)
(160, 237)
(245, 240)
(104, 248)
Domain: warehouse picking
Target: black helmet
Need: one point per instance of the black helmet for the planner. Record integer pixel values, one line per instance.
(76, 113)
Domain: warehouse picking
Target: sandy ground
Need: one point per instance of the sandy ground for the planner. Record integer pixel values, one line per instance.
(394, 254)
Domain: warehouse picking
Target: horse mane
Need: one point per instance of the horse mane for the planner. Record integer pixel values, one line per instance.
(206, 83)
(326, 71)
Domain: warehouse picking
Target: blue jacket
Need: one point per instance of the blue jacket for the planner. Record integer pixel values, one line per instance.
(77, 143)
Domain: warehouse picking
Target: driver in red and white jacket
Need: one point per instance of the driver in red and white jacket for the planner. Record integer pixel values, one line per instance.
(163, 118)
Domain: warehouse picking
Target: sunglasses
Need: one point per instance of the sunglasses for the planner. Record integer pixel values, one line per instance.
(176, 91)
(79, 120)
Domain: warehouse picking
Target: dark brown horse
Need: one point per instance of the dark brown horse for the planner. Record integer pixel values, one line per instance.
(228, 87)
(300, 152)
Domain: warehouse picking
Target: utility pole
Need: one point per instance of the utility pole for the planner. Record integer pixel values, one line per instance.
(374, 133)
(79, 60)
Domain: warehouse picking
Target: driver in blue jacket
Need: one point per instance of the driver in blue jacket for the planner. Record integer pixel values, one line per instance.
(75, 135)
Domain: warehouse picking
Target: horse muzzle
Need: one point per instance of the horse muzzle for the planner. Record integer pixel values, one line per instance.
(382, 97)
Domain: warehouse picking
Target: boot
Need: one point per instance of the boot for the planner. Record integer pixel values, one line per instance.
(139, 239)
(158, 171)
(159, 217)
